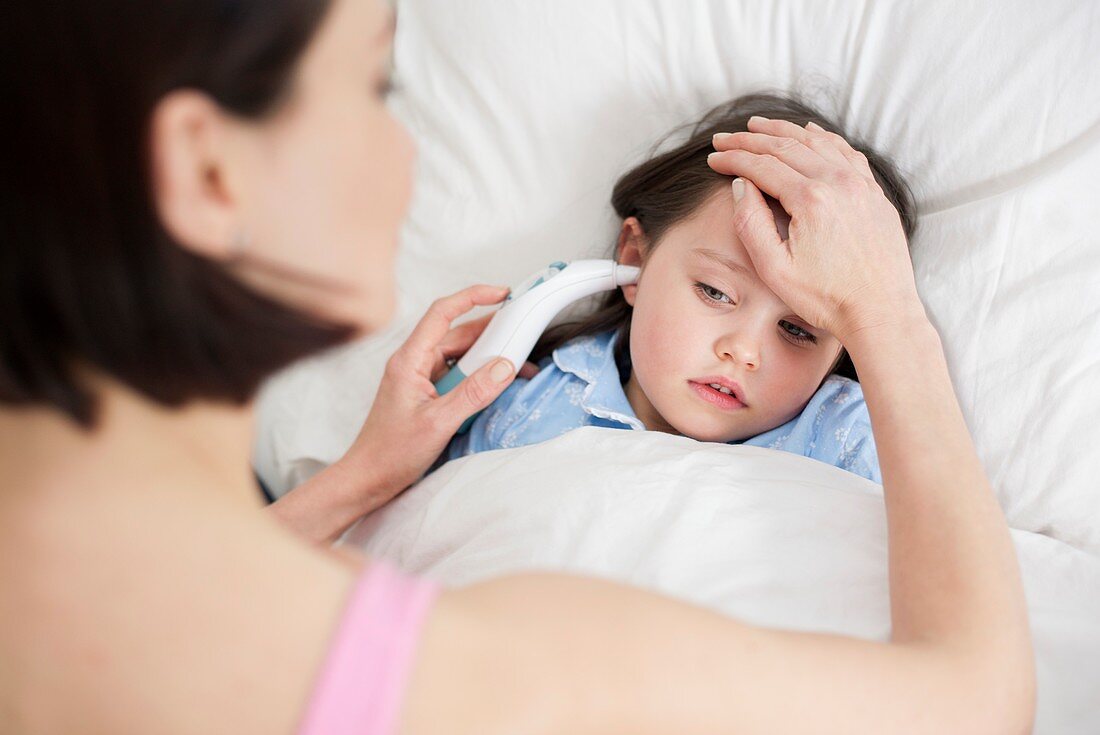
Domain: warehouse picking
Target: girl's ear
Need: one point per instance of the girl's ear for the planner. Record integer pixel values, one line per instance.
(631, 250)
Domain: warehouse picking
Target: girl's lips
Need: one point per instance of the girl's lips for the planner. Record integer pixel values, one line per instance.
(714, 397)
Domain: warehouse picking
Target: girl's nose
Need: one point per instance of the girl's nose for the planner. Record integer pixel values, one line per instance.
(742, 347)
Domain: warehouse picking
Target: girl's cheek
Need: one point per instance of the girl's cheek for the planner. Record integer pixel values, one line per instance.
(645, 327)
(650, 319)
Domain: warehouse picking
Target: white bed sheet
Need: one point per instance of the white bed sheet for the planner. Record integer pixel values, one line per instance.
(525, 113)
(765, 536)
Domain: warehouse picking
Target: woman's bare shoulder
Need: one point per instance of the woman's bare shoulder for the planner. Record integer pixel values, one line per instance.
(220, 633)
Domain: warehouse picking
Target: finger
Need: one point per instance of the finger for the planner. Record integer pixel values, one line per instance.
(461, 338)
(439, 371)
(419, 349)
(787, 129)
(769, 173)
(843, 148)
(456, 344)
(812, 140)
(528, 371)
(473, 393)
(441, 367)
(789, 150)
(754, 223)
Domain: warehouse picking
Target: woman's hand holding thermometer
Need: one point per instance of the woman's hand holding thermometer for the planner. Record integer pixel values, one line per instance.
(518, 324)
(410, 422)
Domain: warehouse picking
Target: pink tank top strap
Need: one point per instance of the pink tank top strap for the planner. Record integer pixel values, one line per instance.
(362, 682)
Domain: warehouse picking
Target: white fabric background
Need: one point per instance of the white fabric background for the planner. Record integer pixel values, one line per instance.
(768, 537)
(525, 113)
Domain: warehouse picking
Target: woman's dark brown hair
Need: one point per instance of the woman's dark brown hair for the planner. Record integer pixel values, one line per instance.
(88, 275)
(669, 187)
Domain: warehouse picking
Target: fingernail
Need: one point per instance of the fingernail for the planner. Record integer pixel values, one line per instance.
(501, 371)
(815, 126)
(712, 155)
(738, 189)
(758, 118)
(719, 137)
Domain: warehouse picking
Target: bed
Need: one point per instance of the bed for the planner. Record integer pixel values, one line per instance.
(525, 114)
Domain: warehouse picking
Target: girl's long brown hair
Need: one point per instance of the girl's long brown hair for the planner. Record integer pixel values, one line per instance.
(669, 187)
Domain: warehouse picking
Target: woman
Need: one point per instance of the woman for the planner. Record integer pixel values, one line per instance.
(183, 202)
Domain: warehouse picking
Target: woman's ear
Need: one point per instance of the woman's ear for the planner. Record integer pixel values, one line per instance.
(631, 250)
(192, 191)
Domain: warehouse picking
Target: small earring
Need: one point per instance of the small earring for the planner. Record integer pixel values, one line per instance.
(238, 245)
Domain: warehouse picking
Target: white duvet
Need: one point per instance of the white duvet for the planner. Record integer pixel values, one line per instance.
(525, 113)
(766, 536)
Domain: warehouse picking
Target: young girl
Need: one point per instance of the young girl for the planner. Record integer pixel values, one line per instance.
(699, 346)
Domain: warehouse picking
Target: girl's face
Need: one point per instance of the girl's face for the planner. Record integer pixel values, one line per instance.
(701, 310)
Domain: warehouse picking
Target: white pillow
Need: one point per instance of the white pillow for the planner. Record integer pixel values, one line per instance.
(526, 113)
(768, 537)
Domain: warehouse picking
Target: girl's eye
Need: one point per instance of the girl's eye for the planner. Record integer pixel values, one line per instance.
(711, 294)
(800, 335)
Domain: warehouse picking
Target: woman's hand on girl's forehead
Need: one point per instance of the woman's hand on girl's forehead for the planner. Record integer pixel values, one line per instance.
(782, 217)
(844, 264)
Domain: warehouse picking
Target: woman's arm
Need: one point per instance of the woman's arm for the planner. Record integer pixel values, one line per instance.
(553, 654)
(325, 506)
(409, 424)
(954, 577)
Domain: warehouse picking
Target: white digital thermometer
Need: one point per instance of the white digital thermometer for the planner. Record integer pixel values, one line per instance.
(529, 308)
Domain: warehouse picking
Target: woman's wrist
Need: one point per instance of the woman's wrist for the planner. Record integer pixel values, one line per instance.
(904, 323)
(326, 505)
(369, 485)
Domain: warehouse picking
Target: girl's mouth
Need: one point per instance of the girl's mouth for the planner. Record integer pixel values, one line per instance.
(716, 397)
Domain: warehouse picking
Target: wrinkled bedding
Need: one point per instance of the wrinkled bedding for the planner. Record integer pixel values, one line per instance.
(766, 536)
(524, 114)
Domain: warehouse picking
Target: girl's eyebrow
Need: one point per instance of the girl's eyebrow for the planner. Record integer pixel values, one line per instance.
(722, 259)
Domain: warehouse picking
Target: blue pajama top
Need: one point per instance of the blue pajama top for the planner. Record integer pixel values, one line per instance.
(579, 385)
